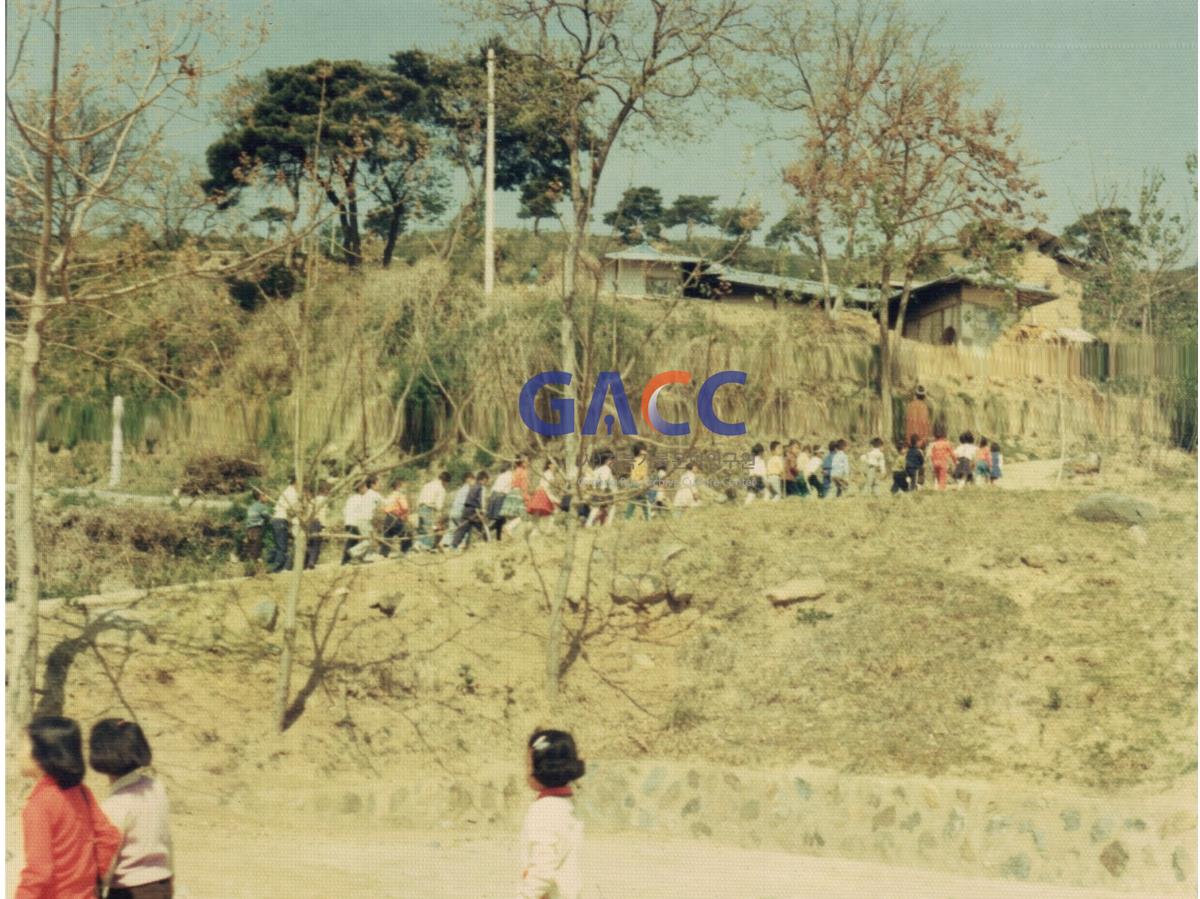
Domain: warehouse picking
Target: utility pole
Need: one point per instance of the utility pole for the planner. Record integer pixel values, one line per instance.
(489, 181)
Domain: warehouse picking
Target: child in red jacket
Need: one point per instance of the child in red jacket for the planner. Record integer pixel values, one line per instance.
(69, 843)
(941, 457)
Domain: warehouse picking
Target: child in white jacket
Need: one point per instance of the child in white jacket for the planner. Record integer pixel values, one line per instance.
(137, 805)
(552, 837)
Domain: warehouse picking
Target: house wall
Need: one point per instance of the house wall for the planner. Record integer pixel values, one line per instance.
(986, 314)
(929, 321)
(1035, 267)
(977, 315)
(640, 279)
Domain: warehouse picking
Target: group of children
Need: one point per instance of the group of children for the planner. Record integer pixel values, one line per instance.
(798, 470)
(120, 847)
(967, 463)
(373, 524)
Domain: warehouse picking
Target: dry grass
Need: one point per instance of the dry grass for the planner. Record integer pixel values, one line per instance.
(981, 633)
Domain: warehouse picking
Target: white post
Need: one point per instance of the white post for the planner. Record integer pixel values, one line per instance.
(489, 181)
(118, 442)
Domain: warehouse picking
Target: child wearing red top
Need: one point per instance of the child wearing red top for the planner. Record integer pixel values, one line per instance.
(69, 842)
(941, 456)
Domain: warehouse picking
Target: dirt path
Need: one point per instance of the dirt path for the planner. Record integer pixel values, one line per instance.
(1039, 475)
(236, 860)
(147, 499)
(306, 865)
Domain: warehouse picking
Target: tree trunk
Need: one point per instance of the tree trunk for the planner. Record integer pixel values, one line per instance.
(22, 676)
(295, 577)
(576, 239)
(393, 233)
(885, 354)
(902, 311)
(24, 653)
(353, 237)
(536, 221)
(690, 223)
(823, 257)
(467, 209)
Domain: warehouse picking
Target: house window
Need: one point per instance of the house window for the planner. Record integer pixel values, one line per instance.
(661, 287)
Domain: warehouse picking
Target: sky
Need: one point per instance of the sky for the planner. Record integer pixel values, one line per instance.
(1101, 90)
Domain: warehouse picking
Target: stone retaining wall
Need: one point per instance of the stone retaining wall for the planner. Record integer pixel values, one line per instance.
(1141, 840)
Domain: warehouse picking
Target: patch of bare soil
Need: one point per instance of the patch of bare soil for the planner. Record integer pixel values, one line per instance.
(982, 633)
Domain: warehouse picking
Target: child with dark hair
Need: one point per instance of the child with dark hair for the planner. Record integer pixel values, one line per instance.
(545, 500)
(395, 519)
(552, 837)
(914, 461)
(812, 469)
(899, 469)
(775, 471)
(137, 803)
(875, 463)
(639, 480)
(827, 470)
(758, 474)
(602, 484)
(941, 455)
(473, 510)
(258, 515)
(283, 519)
(687, 496)
(983, 462)
(69, 842)
(964, 459)
(839, 471)
(498, 497)
(997, 460)
(319, 523)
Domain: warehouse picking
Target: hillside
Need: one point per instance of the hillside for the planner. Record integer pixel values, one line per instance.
(987, 635)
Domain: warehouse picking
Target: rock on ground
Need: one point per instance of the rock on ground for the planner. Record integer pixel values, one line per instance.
(1116, 507)
(264, 614)
(797, 590)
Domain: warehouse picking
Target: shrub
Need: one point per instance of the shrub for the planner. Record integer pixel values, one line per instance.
(277, 282)
(218, 474)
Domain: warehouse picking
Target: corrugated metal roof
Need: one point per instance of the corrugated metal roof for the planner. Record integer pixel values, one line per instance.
(982, 278)
(643, 252)
(784, 283)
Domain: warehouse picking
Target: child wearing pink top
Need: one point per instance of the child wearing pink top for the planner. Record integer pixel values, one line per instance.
(137, 805)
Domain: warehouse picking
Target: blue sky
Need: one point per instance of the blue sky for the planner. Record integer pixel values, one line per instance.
(1101, 89)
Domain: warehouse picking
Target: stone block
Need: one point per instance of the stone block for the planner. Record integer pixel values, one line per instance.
(1114, 858)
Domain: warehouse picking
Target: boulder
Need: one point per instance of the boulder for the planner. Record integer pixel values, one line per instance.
(1088, 464)
(1138, 535)
(1116, 507)
(1036, 557)
(803, 589)
(264, 615)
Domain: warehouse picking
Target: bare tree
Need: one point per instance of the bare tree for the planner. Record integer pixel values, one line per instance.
(617, 63)
(893, 156)
(56, 106)
(416, 320)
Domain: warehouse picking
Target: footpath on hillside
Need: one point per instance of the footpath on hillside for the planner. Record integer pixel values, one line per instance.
(1036, 475)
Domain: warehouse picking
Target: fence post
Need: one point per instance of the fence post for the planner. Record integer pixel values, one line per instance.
(118, 442)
